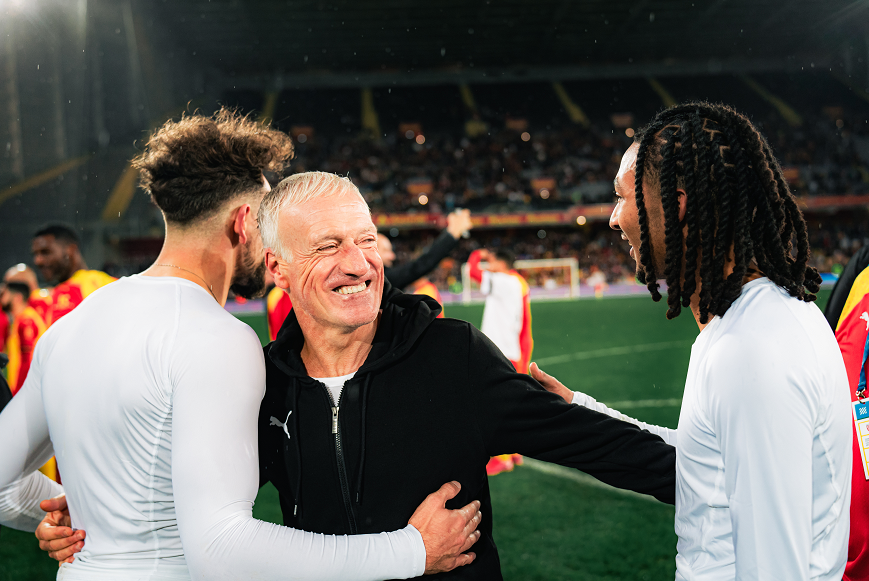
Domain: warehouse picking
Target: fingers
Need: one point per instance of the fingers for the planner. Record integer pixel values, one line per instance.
(539, 374)
(46, 532)
(52, 504)
(465, 559)
(447, 491)
(56, 544)
(66, 555)
(473, 535)
(470, 511)
(544, 379)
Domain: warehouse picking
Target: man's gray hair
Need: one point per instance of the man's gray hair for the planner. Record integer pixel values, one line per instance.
(293, 191)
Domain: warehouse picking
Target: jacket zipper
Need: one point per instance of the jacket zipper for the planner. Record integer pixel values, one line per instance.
(342, 469)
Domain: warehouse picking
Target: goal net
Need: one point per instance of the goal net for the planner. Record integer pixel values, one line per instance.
(548, 279)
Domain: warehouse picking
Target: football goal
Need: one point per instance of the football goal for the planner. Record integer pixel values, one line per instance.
(548, 279)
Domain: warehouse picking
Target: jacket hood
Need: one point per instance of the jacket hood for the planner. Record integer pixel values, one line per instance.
(403, 318)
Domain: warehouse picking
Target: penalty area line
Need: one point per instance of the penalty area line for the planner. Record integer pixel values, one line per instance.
(580, 478)
(610, 352)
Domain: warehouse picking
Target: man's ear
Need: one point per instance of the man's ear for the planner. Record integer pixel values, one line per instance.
(683, 204)
(239, 223)
(273, 266)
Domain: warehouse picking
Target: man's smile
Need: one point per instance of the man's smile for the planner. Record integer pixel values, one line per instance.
(352, 289)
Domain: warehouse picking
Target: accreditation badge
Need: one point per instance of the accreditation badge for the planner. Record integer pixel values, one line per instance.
(860, 410)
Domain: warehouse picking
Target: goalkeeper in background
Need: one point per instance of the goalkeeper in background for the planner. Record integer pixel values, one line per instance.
(506, 320)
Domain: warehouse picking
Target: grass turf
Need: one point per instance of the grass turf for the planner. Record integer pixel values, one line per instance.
(548, 527)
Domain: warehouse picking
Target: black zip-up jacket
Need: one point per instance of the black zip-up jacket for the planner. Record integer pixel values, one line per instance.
(432, 402)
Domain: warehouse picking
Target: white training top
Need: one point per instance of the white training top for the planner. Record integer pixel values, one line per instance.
(150, 391)
(763, 448)
(502, 315)
(335, 385)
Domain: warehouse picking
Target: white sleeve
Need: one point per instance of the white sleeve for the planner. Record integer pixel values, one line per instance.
(486, 283)
(763, 421)
(218, 388)
(24, 432)
(666, 434)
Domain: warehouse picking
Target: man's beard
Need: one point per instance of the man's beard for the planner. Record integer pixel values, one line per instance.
(249, 278)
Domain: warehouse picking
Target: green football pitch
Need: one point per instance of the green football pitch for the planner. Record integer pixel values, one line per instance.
(552, 523)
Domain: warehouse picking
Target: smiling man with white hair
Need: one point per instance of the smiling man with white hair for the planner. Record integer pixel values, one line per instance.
(382, 399)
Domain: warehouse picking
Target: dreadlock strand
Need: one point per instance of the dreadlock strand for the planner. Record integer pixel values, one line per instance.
(672, 231)
(692, 241)
(646, 263)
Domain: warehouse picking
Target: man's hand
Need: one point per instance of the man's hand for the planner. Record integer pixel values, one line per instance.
(447, 534)
(459, 222)
(551, 384)
(54, 532)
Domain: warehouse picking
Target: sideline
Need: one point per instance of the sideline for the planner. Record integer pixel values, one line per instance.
(611, 351)
(581, 478)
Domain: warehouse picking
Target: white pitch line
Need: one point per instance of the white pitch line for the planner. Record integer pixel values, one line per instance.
(611, 351)
(645, 403)
(579, 478)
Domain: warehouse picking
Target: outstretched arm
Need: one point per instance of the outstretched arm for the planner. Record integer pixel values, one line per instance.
(552, 385)
(520, 416)
(403, 275)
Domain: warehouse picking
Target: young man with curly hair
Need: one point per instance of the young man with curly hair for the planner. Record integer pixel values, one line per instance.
(152, 412)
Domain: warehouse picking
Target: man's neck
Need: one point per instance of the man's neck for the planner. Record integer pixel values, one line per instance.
(752, 274)
(206, 261)
(332, 352)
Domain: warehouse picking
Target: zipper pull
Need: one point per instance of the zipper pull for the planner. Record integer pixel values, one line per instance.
(335, 420)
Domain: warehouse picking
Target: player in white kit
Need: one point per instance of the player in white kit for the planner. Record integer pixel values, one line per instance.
(148, 394)
(763, 446)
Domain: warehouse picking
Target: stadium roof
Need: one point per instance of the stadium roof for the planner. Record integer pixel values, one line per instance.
(395, 36)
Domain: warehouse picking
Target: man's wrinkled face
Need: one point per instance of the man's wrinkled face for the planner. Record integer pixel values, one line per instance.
(384, 248)
(335, 272)
(53, 258)
(625, 216)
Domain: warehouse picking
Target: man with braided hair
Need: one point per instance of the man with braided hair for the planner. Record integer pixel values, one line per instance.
(763, 462)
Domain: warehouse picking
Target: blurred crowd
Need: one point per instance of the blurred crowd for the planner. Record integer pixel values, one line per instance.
(509, 170)
(516, 170)
(601, 254)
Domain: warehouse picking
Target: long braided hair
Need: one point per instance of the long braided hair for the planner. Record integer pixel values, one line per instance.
(739, 207)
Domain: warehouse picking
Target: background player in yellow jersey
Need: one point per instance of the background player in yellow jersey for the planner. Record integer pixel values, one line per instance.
(57, 256)
(424, 286)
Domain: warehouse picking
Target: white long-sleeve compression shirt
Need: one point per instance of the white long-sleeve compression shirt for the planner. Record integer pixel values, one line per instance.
(150, 392)
(763, 448)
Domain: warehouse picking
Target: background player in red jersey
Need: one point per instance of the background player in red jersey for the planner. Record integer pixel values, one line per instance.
(278, 306)
(40, 298)
(506, 320)
(57, 256)
(27, 328)
(852, 333)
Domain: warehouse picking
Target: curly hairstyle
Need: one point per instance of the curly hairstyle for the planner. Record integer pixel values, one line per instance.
(192, 166)
(738, 206)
